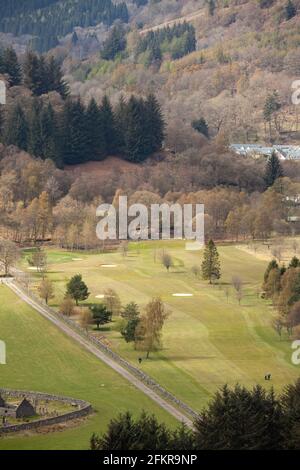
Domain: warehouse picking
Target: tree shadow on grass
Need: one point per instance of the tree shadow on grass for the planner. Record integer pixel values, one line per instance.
(54, 272)
(101, 329)
(180, 358)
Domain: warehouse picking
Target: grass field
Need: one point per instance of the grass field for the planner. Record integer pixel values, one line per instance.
(208, 340)
(40, 357)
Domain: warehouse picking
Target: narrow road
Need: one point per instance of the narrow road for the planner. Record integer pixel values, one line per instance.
(100, 355)
(186, 18)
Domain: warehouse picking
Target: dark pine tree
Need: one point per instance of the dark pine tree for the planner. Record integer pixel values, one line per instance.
(42, 76)
(200, 125)
(95, 132)
(122, 123)
(273, 170)
(154, 124)
(110, 132)
(136, 138)
(55, 78)
(74, 133)
(154, 55)
(240, 419)
(290, 401)
(10, 65)
(125, 433)
(49, 136)
(33, 78)
(211, 7)
(211, 264)
(272, 265)
(77, 289)
(74, 39)
(115, 43)
(294, 263)
(290, 10)
(16, 128)
(35, 140)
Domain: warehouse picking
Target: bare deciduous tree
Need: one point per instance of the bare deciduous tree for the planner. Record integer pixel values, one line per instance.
(46, 290)
(238, 286)
(112, 301)
(67, 306)
(148, 333)
(86, 318)
(9, 255)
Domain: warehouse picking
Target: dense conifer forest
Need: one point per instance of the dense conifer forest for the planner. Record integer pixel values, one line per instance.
(133, 130)
(47, 20)
(179, 40)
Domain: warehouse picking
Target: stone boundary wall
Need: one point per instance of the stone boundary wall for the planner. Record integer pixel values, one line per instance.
(109, 352)
(84, 410)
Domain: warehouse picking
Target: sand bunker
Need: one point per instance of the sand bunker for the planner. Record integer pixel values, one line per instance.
(100, 296)
(109, 265)
(178, 294)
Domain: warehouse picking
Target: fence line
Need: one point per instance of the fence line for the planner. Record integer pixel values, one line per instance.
(145, 378)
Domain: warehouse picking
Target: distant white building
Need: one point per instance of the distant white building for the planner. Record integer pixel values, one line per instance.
(284, 152)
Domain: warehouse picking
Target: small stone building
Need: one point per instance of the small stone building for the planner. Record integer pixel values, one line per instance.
(25, 409)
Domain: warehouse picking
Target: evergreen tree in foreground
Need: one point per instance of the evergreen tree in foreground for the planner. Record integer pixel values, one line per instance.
(235, 419)
(143, 433)
(77, 289)
(241, 419)
(273, 170)
(211, 264)
(290, 402)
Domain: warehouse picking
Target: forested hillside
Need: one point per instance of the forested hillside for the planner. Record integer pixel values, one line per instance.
(70, 132)
(221, 75)
(16, 7)
(46, 21)
(231, 67)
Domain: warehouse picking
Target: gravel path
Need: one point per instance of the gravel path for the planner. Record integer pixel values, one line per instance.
(100, 355)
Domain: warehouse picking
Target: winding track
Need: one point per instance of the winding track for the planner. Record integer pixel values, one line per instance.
(100, 355)
(181, 19)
